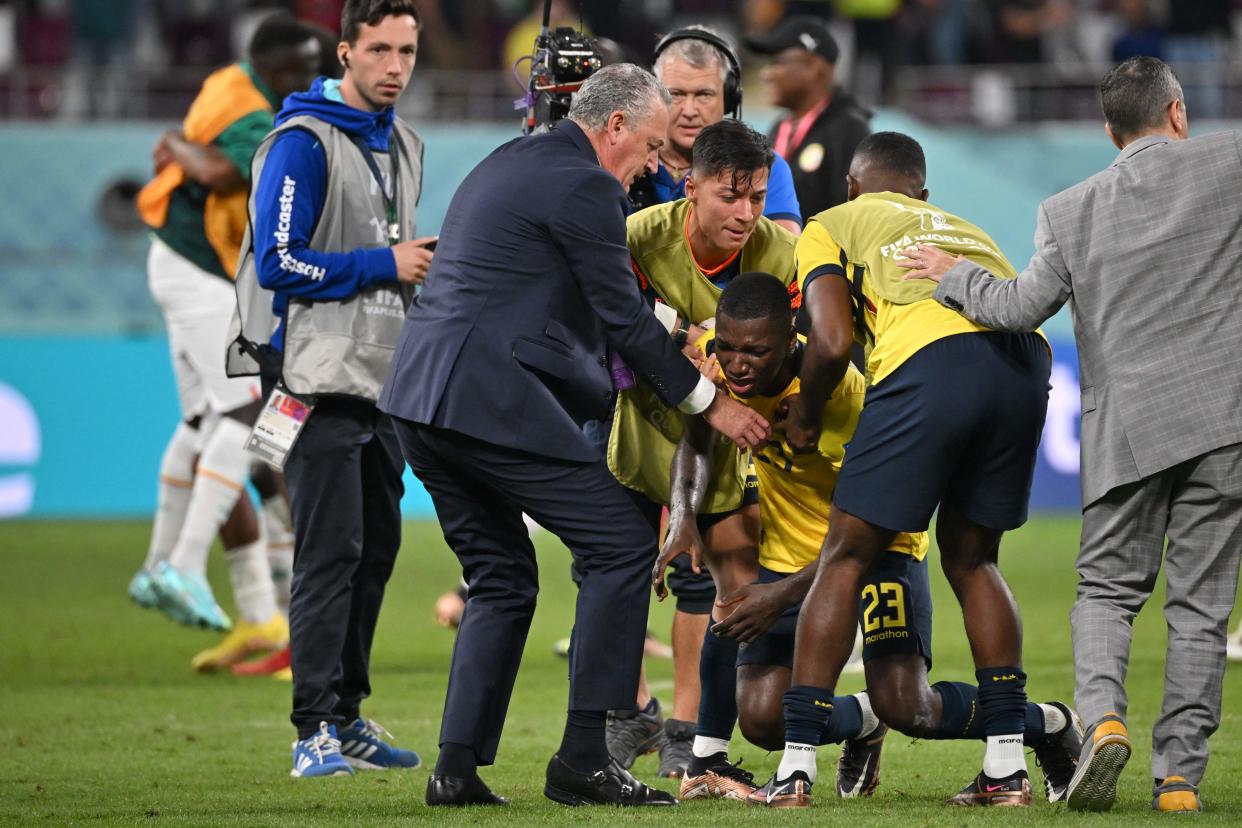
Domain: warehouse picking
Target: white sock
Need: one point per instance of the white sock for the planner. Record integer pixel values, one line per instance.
(176, 481)
(252, 582)
(276, 514)
(870, 721)
(223, 469)
(279, 549)
(705, 746)
(797, 758)
(1054, 719)
(1004, 756)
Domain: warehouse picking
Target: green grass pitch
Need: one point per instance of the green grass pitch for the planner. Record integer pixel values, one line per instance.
(103, 722)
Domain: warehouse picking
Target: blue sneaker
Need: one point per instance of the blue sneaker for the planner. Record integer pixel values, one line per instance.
(363, 748)
(319, 755)
(187, 598)
(141, 592)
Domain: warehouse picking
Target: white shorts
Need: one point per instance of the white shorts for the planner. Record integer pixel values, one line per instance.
(197, 308)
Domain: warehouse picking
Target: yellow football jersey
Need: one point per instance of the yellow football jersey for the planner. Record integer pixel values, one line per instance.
(867, 236)
(795, 490)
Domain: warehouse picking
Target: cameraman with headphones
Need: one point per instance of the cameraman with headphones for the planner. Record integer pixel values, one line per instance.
(701, 70)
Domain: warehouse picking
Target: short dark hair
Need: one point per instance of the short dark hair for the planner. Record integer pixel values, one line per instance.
(370, 12)
(756, 295)
(894, 152)
(277, 32)
(1135, 93)
(730, 145)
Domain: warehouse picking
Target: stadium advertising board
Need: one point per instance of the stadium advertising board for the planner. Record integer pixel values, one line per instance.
(83, 421)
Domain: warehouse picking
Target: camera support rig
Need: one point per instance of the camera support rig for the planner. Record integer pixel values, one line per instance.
(563, 59)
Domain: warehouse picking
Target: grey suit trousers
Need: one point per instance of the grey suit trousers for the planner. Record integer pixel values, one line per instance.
(1197, 505)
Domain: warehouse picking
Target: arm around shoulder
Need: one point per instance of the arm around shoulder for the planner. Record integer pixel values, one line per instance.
(1019, 304)
(588, 226)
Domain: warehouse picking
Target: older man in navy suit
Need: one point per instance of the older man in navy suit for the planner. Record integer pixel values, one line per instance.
(502, 357)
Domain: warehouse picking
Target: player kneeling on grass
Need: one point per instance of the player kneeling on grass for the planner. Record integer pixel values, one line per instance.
(759, 357)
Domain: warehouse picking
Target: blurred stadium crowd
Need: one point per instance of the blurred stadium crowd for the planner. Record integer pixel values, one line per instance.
(72, 59)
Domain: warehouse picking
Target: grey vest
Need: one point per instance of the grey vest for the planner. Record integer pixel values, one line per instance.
(341, 347)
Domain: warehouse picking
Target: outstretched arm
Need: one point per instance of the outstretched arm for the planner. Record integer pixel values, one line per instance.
(688, 480)
(1019, 304)
(754, 608)
(589, 228)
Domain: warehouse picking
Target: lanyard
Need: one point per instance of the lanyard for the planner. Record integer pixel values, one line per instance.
(792, 132)
(390, 203)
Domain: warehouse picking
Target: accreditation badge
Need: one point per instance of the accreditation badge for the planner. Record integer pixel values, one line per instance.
(278, 427)
(811, 157)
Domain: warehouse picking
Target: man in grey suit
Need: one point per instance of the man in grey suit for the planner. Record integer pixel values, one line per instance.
(1150, 251)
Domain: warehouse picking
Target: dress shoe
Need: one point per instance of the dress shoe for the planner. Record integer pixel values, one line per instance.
(1176, 795)
(610, 785)
(1104, 754)
(461, 790)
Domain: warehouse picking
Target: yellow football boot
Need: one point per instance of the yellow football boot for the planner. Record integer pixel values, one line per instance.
(245, 639)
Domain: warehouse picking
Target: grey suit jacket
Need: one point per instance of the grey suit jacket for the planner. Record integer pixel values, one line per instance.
(1149, 253)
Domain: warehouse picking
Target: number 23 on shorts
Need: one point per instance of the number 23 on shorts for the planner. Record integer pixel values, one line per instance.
(886, 606)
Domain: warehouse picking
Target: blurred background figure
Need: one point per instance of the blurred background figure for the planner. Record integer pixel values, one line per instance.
(1020, 27)
(1198, 47)
(103, 42)
(1139, 32)
(877, 45)
(947, 25)
(196, 208)
(825, 122)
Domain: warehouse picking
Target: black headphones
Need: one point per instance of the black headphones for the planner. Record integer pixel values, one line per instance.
(733, 79)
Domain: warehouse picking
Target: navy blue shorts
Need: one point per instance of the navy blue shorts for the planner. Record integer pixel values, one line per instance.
(776, 646)
(894, 612)
(957, 424)
(895, 608)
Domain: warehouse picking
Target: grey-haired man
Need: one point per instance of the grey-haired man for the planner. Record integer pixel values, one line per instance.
(502, 357)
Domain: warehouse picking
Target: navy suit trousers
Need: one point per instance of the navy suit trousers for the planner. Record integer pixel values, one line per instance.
(480, 491)
(344, 477)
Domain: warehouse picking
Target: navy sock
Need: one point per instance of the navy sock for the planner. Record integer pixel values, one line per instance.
(807, 714)
(960, 719)
(717, 687)
(1002, 700)
(583, 747)
(844, 723)
(456, 760)
(959, 711)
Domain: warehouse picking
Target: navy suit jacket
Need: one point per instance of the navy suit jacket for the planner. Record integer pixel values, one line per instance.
(530, 285)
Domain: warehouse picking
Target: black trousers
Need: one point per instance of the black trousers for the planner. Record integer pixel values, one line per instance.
(344, 477)
(480, 491)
